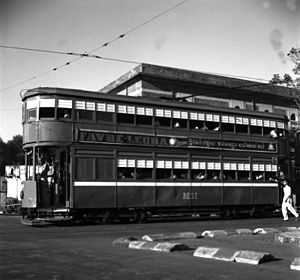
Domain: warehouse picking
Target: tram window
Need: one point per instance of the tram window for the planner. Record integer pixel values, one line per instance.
(281, 133)
(31, 115)
(162, 122)
(64, 113)
(213, 175)
(163, 174)
(86, 115)
(271, 176)
(212, 125)
(267, 130)
(84, 168)
(143, 120)
(256, 130)
(243, 175)
(228, 127)
(104, 116)
(198, 175)
(104, 168)
(179, 123)
(180, 174)
(125, 173)
(197, 125)
(229, 175)
(47, 113)
(143, 173)
(241, 128)
(125, 118)
(257, 175)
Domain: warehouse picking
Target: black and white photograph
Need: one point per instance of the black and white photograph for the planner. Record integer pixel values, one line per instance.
(149, 139)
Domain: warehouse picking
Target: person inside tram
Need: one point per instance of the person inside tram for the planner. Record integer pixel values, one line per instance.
(66, 114)
(200, 176)
(44, 169)
(177, 125)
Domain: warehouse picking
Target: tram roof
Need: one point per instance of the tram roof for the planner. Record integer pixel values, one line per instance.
(141, 100)
(204, 80)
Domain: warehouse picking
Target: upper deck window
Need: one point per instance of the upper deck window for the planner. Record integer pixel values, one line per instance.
(105, 112)
(84, 110)
(64, 109)
(125, 114)
(144, 116)
(47, 108)
(31, 109)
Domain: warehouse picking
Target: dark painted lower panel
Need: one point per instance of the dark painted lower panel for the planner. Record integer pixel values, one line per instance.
(206, 196)
(265, 195)
(172, 196)
(237, 195)
(94, 197)
(135, 196)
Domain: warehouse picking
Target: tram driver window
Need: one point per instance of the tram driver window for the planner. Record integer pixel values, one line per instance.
(31, 114)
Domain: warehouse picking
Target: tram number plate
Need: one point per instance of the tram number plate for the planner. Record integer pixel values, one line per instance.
(189, 195)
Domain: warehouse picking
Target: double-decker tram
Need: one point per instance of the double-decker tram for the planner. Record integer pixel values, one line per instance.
(93, 155)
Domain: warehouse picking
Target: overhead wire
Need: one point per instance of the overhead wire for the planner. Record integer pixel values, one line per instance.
(88, 54)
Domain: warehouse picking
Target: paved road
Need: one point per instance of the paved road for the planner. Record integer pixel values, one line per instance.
(86, 252)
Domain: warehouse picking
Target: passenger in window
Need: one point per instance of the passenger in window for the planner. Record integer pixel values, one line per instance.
(200, 176)
(67, 115)
(177, 125)
(204, 128)
(174, 177)
(215, 176)
(121, 175)
(259, 177)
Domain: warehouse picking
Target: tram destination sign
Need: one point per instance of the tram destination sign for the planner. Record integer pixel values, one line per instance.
(93, 136)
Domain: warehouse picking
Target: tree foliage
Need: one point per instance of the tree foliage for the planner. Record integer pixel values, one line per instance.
(288, 80)
(11, 153)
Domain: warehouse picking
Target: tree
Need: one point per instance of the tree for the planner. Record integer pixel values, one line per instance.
(287, 80)
(11, 153)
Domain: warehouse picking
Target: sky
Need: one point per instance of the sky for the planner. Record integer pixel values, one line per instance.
(239, 38)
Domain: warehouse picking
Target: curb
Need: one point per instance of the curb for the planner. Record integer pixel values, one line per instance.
(288, 237)
(265, 230)
(179, 235)
(222, 254)
(214, 233)
(295, 265)
(156, 246)
(225, 254)
(123, 241)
